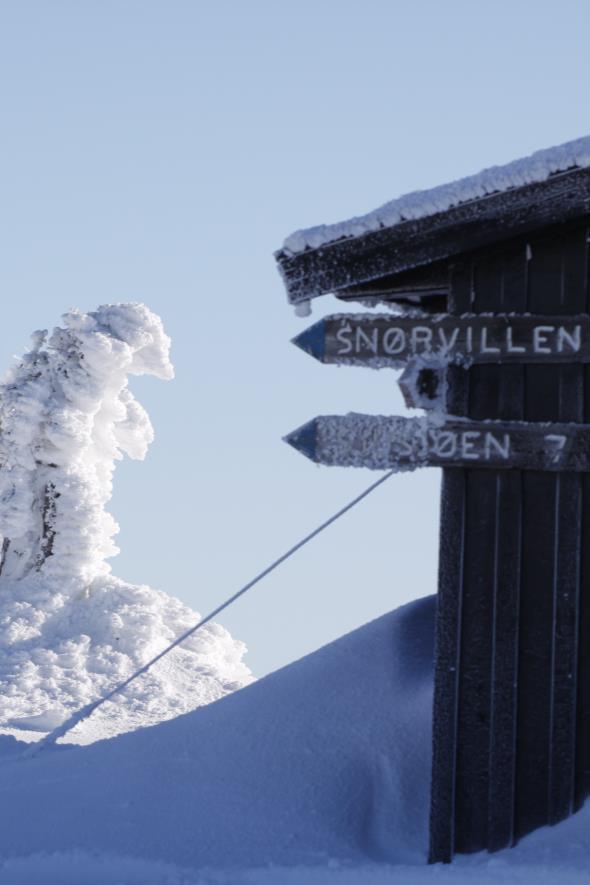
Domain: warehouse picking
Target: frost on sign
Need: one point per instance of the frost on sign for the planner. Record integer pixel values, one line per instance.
(381, 442)
(394, 340)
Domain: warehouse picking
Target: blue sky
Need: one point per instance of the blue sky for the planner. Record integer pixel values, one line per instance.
(161, 151)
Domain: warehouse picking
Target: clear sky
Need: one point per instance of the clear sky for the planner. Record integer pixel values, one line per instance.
(160, 150)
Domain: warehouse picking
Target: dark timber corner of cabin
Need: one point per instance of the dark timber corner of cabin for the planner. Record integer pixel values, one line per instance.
(511, 734)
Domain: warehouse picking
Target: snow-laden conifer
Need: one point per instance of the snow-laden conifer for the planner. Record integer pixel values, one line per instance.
(68, 629)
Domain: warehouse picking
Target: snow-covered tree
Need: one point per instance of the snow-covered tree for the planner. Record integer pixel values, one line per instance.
(68, 630)
(66, 416)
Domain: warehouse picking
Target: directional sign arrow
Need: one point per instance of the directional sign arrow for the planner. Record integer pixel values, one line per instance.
(389, 340)
(379, 442)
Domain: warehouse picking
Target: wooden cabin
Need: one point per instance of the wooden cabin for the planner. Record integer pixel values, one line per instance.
(511, 741)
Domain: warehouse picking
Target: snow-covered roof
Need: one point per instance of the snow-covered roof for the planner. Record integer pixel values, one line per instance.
(420, 204)
(418, 233)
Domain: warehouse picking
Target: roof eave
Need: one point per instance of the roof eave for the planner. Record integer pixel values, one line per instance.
(357, 260)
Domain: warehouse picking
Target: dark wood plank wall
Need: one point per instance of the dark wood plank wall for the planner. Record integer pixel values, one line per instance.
(512, 682)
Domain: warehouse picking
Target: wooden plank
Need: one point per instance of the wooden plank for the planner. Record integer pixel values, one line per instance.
(567, 567)
(565, 648)
(472, 778)
(384, 443)
(392, 341)
(504, 671)
(534, 679)
(473, 691)
(507, 577)
(447, 662)
(411, 244)
(550, 590)
(428, 284)
(538, 576)
(582, 786)
(428, 281)
(484, 534)
(448, 620)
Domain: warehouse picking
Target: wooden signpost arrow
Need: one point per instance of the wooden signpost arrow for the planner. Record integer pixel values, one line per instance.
(387, 340)
(379, 443)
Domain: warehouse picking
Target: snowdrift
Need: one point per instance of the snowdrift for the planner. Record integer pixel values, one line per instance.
(58, 652)
(326, 758)
(318, 773)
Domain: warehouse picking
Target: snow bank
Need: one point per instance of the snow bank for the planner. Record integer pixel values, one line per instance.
(420, 204)
(69, 631)
(76, 868)
(59, 652)
(318, 773)
(81, 868)
(327, 758)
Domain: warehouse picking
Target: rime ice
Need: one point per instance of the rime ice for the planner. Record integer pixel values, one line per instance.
(67, 415)
(68, 630)
(420, 204)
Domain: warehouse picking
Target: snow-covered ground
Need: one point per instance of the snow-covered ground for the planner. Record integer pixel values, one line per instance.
(59, 652)
(317, 774)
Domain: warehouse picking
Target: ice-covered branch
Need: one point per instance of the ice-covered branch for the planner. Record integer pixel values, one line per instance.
(69, 630)
(66, 416)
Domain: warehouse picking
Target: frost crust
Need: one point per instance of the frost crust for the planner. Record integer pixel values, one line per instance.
(69, 630)
(420, 204)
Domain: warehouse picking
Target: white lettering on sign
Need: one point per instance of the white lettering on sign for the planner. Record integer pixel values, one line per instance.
(446, 444)
(512, 348)
(574, 340)
(421, 335)
(404, 447)
(494, 446)
(468, 449)
(394, 341)
(346, 343)
(489, 340)
(540, 339)
(448, 343)
(557, 443)
(471, 445)
(484, 343)
(367, 342)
